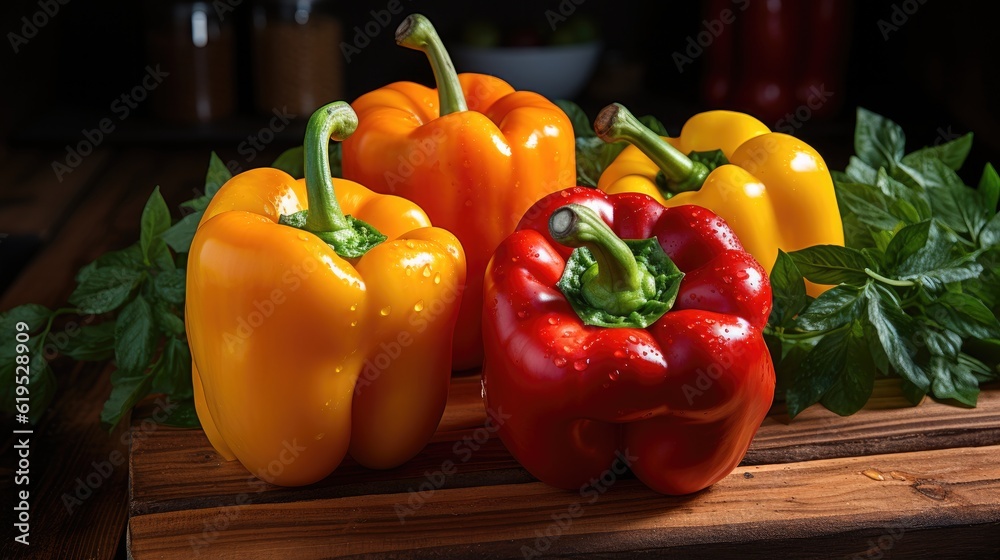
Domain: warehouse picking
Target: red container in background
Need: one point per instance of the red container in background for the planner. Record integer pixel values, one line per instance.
(776, 59)
(196, 47)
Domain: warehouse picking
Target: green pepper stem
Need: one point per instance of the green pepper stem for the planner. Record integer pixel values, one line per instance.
(337, 121)
(889, 281)
(417, 33)
(617, 286)
(615, 123)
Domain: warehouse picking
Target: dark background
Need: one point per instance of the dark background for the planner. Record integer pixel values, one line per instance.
(938, 70)
(935, 74)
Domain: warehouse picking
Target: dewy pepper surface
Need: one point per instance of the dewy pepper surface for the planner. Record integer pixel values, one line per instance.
(474, 154)
(315, 334)
(773, 190)
(648, 349)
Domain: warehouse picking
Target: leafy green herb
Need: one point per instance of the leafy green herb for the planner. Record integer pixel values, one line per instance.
(594, 155)
(916, 289)
(179, 236)
(139, 292)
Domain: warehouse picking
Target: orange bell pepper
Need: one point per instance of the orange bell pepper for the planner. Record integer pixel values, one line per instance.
(329, 337)
(474, 154)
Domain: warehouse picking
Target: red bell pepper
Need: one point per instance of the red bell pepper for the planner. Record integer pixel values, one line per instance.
(619, 353)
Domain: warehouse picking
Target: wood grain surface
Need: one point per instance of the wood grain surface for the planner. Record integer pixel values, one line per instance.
(180, 486)
(903, 497)
(94, 210)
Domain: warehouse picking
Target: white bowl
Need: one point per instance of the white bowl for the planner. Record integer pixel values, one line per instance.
(557, 72)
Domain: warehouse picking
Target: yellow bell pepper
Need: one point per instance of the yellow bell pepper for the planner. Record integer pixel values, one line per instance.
(775, 192)
(315, 334)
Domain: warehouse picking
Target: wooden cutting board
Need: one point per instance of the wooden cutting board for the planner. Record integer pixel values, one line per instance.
(886, 482)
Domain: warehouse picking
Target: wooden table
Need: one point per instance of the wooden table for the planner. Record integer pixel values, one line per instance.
(900, 482)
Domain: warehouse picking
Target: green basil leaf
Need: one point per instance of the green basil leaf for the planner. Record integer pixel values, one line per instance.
(129, 257)
(896, 332)
(654, 124)
(908, 242)
(105, 289)
(882, 238)
(788, 291)
(166, 321)
(860, 172)
(135, 336)
(905, 211)
(878, 141)
(292, 161)
(217, 175)
(942, 343)
(34, 315)
(179, 236)
(895, 189)
(160, 256)
(582, 128)
(945, 188)
(868, 204)
(953, 380)
(934, 279)
(593, 156)
(197, 204)
(125, 393)
(879, 357)
(951, 153)
(989, 236)
(182, 415)
(965, 315)
(856, 381)
(788, 365)
(833, 308)
(983, 372)
(172, 374)
(989, 188)
(831, 264)
(170, 286)
(970, 208)
(93, 343)
(817, 372)
(912, 393)
(155, 221)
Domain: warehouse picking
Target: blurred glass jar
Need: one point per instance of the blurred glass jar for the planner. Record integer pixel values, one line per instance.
(195, 46)
(297, 62)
